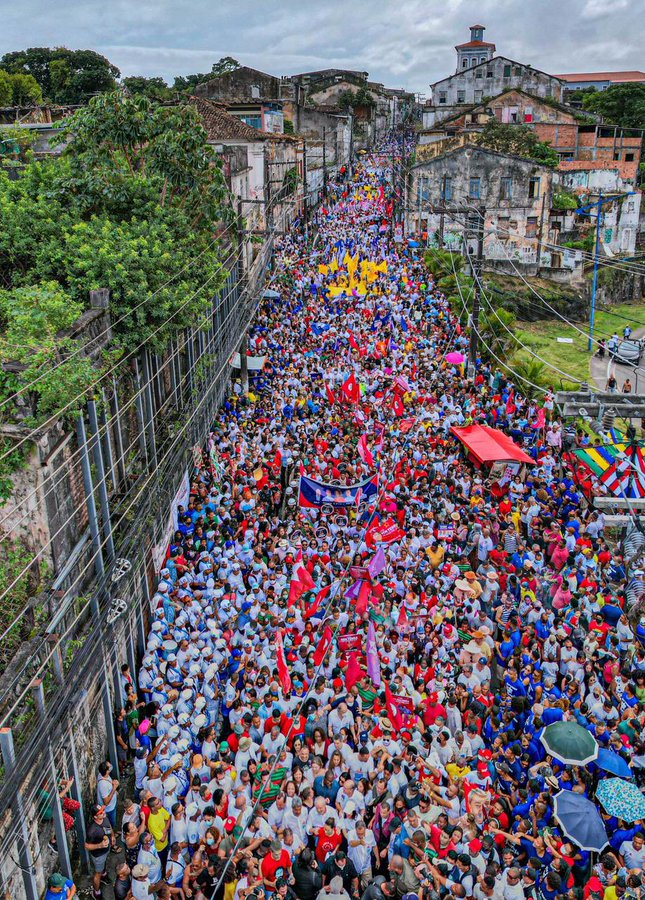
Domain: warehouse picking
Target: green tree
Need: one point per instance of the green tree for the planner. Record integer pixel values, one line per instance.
(6, 88)
(64, 76)
(136, 196)
(225, 65)
(26, 90)
(529, 374)
(33, 318)
(497, 331)
(621, 104)
(16, 143)
(154, 88)
(518, 140)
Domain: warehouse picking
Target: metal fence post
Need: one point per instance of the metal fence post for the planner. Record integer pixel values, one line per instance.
(57, 809)
(118, 436)
(24, 849)
(141, 419)
(149, 407)
(104, 500)
(90, 502)
(76, 793)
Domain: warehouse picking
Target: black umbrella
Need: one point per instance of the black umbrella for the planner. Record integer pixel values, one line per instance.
(580, 820)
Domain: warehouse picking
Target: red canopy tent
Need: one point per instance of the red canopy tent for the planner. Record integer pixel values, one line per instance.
(488, 445)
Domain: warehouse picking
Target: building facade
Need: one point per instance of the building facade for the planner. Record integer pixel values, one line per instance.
(448, 194)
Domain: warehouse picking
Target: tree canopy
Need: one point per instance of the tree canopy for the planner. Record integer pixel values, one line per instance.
(64, 76)
(223, 66)
(155, 88)
(19, 89)
(134, 201)
(519, 140)
(621, 104)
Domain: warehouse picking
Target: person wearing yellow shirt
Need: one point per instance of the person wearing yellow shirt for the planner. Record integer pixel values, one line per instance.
(457, 771)
(159, 826)
(436, 555)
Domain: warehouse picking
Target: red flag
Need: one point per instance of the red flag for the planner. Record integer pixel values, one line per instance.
(406, 424)
(510, 404)
(364, 451)
(363, 598)
(403, 618)
(301, 581)
(283, 671)
(352, 389)
(398, 406)
(354, 672)
(388, 531)
(330, 395)
(277, 461)
(353, 343)
(315, 606)
(323, 646)
(393, 713)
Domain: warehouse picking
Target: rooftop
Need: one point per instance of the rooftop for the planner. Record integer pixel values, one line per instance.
(618, 77)
(222, 126)
(475, 44)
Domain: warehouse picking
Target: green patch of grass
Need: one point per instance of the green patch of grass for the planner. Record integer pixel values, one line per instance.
(573, 359)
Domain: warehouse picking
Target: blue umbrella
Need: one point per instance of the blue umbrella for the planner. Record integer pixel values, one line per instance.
(580, 820)
(622, 799)
(614, 763)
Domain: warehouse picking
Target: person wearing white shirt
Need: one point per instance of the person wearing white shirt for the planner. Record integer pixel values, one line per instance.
(318, 814)
(360, 845)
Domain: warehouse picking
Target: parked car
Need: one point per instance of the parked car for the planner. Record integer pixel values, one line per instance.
(628, 353)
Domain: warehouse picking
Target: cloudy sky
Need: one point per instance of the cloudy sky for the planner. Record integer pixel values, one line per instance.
(404, 43)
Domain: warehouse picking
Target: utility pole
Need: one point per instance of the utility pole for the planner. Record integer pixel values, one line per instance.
(305, 208)
(477, 266)
(442, 214)
(324, 161)
(596, 265)
(598, 206)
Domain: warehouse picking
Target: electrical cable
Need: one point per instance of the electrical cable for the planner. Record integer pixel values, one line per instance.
(130, 353)
(120, 459)
(505, 326)
(153, 474)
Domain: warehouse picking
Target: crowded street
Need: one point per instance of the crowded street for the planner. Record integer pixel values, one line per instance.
(377, 668)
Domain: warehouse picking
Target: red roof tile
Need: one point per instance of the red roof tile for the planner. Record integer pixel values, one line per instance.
(633, 75)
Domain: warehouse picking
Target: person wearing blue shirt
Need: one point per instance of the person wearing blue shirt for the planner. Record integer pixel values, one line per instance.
(60, 888)
(551, 715)
(514, 686)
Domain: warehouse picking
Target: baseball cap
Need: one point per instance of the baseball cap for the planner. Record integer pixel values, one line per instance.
(57, 880)
(230, 824)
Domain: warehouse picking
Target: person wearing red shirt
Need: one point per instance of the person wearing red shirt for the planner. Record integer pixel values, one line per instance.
(441, 842)
(328, 841)
(433, 709)
(276, 864)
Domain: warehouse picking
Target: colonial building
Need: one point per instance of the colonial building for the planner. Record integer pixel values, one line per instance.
(447, 193)
(480, 75)
(263, 169)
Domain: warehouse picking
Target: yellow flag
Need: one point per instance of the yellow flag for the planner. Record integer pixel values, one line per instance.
(324, 270)
(334, 265)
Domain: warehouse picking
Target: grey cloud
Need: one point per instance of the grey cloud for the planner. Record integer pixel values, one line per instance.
(404, 43)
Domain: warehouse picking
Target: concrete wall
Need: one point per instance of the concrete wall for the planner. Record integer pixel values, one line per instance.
(488, 80)
(242, 84)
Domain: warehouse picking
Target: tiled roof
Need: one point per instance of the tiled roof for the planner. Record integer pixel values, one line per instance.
(222, 126)
(474, 44)
(632, 75)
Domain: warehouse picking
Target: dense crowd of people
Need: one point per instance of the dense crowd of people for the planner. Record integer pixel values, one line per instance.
(359, 639)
